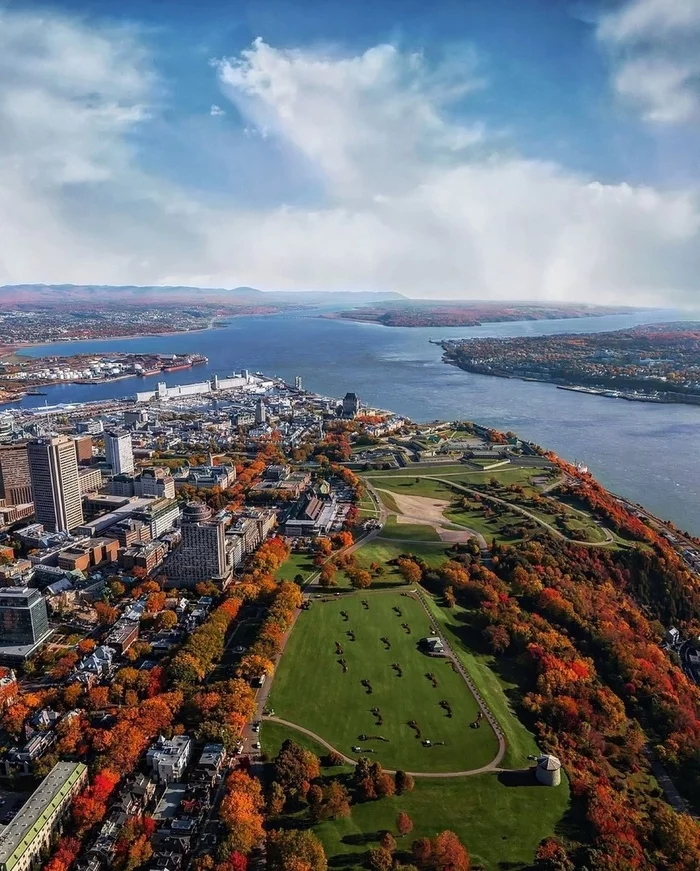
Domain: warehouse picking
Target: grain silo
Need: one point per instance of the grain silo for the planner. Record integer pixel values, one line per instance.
(548, 770)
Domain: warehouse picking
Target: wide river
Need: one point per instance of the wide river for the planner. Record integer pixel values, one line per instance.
(650, 453)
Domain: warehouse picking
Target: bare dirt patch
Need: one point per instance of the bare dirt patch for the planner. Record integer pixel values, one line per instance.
(428, 511)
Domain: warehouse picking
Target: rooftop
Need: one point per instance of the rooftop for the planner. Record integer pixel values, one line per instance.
(37, 810)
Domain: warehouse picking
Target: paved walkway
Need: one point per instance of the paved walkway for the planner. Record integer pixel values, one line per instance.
(485, 769)
(609, 538)
(493, 723)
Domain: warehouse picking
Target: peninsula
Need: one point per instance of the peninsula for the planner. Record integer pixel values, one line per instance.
(441, 313)
(652, 363)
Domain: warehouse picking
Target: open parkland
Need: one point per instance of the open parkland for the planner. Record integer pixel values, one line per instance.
(356, 678)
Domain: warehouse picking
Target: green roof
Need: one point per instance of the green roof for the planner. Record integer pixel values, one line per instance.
(37, 811)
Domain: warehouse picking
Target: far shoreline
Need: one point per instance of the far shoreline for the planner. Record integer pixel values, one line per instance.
(16, 350)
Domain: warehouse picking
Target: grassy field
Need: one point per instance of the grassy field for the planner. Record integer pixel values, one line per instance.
(403, 480)
(409, 531)
(577, 524)
(489, 527)
(382, 550)
(296, 564)
(496, 688)
(310, 688)
(501, 824)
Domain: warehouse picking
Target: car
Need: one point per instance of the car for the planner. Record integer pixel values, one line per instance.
(239, 649)
(256, 727)
(256, 745)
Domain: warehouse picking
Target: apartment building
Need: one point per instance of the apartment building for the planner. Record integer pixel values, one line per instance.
(53, 469)
(41, 817)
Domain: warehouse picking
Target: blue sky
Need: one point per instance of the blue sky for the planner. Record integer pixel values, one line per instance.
(511, 148)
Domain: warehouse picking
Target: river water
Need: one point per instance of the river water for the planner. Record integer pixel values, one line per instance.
(650, 453)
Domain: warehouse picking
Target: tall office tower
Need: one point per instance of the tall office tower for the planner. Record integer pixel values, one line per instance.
(15, 483)
(260, 411)
(53, 469)
(120, 454)
(23, 618)
(83, 448)
(202, 556)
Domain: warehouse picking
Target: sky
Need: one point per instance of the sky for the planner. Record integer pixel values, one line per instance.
(511, 149)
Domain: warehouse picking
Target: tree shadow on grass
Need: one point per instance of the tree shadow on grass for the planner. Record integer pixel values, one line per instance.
(344, 860)
(362, 838)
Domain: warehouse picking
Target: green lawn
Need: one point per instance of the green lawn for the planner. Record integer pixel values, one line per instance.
(381, 550)
(500, 824)
(495, 688)
(408, 531)
(489, 527)
(296, 564)
(310, 688)
(389, 501)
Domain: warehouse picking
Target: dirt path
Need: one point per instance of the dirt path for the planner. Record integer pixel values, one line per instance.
(427, 511)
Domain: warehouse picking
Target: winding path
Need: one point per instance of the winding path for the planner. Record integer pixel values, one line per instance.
(609, 538)
(492, 766)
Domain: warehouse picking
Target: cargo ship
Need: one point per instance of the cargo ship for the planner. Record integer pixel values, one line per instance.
(175, 367)
(145, 372)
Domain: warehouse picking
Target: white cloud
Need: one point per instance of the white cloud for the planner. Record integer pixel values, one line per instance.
(655, 51)
(414, 199)
(216, 111)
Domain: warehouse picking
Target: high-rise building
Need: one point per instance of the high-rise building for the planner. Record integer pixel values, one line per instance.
(202, 555)
(260, 411)
(83, 448)
(7, 426)
(23, 617)
(53, 469)
(297, 382)
(351, 405)
(120, 453)
(15, 483)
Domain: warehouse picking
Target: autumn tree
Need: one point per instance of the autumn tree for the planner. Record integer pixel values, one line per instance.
(336, 802)
(422, 852)
(64, 855)
(166, 620)
(327, 576)
(449, 854)
(295, 768)
(551, 856)
(240, 812)
(276, 799)
(380, 859)
(404, 782)
(294, 850)
(388, 842)
(404, 824)
(361, 579)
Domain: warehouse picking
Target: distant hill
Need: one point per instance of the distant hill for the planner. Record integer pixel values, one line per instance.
(86, 294)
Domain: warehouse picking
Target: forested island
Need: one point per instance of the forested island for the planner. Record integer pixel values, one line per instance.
(651, 363)
(427, 313)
